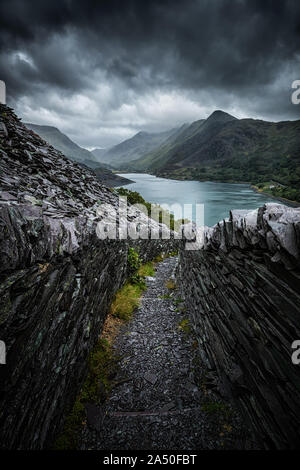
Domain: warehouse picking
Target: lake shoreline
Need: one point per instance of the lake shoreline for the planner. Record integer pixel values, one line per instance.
(277, 198)
(206, 200)
(251, 186)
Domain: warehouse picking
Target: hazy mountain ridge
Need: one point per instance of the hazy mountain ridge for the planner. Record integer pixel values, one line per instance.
(186, 142)
(156, 156)
(74, 152)
(99, 152)
(134, 148)
(243, 139)
(62, 142)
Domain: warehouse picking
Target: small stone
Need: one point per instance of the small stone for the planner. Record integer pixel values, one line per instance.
(168, 406)
(7, 196)
(150, 378)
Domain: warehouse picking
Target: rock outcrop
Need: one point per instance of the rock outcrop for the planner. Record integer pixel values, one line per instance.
(241, 281)
(57, 280)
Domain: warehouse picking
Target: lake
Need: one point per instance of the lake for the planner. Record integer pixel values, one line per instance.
(217, 198)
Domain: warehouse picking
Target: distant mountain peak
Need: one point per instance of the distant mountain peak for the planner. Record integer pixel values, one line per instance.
(134, 147)
(220, 115)
(142, 133)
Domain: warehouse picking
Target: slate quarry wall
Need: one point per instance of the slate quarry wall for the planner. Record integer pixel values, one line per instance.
(57, 280)
(242, 285)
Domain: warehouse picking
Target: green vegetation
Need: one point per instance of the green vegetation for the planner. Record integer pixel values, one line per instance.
(133, 262)
(147, 269)
(286, 182)
(127, 300)
(165, 296)
(279, 191)
(215, 407)
(158, 214)
(184, 325)
(178, 301)
(170, 284)
(102, 362)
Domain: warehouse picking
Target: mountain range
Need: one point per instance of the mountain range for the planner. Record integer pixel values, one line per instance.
(133, 148)
(74, 152)
(224, 148)
(219, 148)
(63, 143)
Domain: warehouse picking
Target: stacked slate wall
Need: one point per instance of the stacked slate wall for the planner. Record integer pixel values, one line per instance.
(241, 282)
(53, 305)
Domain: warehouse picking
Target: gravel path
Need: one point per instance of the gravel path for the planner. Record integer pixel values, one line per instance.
(158, 405)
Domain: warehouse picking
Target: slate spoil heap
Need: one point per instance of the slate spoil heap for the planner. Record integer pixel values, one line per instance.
(34, 172)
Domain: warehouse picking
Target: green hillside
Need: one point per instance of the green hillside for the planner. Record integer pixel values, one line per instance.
(223, 148)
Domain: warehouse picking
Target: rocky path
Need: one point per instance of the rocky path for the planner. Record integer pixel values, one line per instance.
(158, 403)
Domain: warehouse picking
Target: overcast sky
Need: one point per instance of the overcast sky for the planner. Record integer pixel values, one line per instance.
(102, 71)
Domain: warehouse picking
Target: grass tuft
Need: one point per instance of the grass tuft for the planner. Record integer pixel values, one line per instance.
(147, 269)
(170, 284)
(184, 325)
(127, 300)
(215, 407)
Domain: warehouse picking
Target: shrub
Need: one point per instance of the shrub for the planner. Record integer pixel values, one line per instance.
(133, 262)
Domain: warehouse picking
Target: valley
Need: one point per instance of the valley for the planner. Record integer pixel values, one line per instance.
(149, 231)
(225, 149)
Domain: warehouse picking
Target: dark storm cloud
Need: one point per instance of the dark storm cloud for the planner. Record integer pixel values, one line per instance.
(213, 51)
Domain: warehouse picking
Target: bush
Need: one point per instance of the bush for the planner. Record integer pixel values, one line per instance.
(133, 197)
(133, 262)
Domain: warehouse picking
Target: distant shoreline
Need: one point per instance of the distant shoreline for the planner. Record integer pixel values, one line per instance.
(253, 187)
(278, 198)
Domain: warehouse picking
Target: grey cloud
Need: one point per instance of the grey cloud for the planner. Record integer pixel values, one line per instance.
(232, 54)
